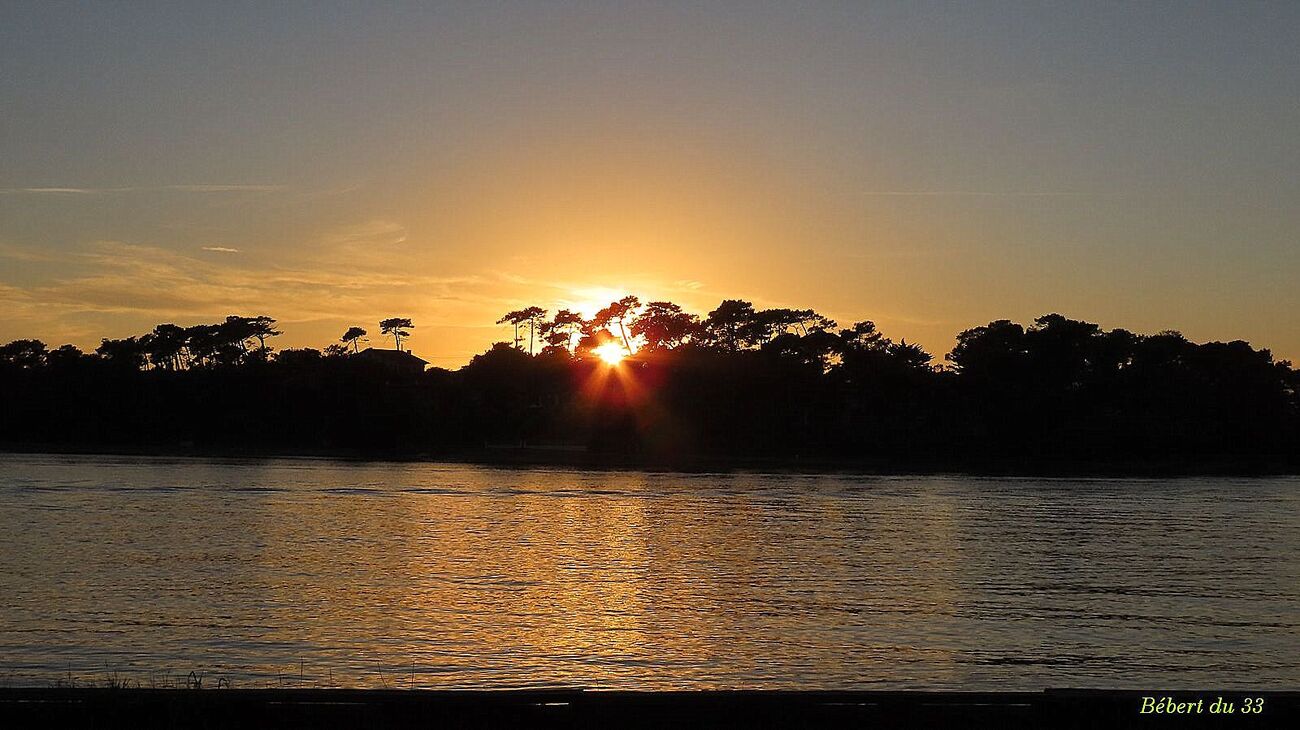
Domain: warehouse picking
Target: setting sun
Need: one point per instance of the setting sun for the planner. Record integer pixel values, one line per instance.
(610, 352)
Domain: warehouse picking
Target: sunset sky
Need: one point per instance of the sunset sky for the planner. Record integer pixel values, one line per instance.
(930, 167)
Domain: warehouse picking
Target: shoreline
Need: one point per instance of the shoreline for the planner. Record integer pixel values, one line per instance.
(541, 457)
(115, 707)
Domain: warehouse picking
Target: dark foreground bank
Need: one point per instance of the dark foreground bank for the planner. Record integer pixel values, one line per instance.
(575, 708)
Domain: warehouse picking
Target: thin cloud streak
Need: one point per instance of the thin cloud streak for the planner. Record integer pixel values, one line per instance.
(977, 194)
(223, 188)
(43, 191)
(25, 253)
(140, 189)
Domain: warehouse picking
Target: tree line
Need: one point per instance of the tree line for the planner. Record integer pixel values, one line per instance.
(234, 341)
(736, 381)
(657, 326)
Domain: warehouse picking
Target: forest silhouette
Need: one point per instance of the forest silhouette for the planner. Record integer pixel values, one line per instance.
(737, 383)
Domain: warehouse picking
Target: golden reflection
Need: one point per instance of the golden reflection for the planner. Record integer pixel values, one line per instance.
(320, 573)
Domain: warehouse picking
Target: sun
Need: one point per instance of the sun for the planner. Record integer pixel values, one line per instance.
(610, 352)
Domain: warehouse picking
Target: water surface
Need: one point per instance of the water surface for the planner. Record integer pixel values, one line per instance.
(330, 573)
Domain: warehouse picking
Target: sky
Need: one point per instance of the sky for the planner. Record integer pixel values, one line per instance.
(930, 167)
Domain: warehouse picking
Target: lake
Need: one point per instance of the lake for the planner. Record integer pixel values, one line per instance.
(311, 572)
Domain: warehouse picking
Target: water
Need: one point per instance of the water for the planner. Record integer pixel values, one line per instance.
(323, 573)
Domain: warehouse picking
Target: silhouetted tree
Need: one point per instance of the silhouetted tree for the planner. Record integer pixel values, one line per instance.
(560, 331)
(535, 318)
(819, 347)
(868, 354)
(165, 346)
(515, 319)
(201, 343)
(755, 329)
(809, 321)
(25, 354)
(396, 326)
(263, 327)
(993, 350)
(302, 358)
(127, 353)
(618, 313)
(864, 336)
(237, 332)
(726, 324)
(353, 338)
(593, 336)
(911, 356)
(65, 357)
(530, 317)
(664, 326)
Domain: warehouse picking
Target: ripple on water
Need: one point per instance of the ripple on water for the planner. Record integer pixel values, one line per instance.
(361, 573)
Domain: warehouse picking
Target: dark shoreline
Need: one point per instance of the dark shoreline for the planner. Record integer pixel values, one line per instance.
(526, 457)
(86, 707)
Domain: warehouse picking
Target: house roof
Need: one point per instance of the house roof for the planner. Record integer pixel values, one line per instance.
(396, 357)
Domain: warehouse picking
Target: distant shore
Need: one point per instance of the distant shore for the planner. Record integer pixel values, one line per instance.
(576, 458)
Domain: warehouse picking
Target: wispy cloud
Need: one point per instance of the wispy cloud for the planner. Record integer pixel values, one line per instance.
(24, 253)
(974, 194)
(375, 232)
(150, 188)
(56, 191)
(347, 273)
(222, 188)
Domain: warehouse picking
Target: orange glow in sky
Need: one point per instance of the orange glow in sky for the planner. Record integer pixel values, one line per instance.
(859, 159)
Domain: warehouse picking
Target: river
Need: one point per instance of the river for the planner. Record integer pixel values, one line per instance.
(313, 572)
